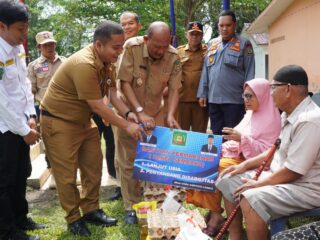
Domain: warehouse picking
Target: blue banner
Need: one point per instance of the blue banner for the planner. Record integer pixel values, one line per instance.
(180, 158)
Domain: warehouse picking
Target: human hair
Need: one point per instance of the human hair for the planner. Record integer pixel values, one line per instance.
(156, 26)
(12, 12)
(105, 30)
(136, 17)
(228, 13)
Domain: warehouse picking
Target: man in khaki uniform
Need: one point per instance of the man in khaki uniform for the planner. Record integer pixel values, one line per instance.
(147, 66)
(131, 25)
(41, 70)
(70, 136)
(190, 115)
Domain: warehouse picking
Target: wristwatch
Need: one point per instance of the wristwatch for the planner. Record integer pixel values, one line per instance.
(139, 109)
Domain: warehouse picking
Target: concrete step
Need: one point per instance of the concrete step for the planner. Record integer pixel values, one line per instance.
(35, 150)
(40, 173)
(105, 181)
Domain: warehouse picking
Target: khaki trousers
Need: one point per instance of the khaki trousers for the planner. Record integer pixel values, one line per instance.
(125, 155)
(116, 143)
(70, 146)
(192, 117)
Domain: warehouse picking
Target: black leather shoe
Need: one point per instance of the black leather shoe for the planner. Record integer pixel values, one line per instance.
(99, 218)
(131, 217)
(28, 224)
(116, 195)
(18, 234)
(79, 228)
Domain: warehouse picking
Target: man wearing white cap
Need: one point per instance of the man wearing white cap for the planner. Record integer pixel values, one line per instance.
(41, 70)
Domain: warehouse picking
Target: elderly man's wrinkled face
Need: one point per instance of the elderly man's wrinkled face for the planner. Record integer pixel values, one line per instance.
(158, 44)
(278, 92)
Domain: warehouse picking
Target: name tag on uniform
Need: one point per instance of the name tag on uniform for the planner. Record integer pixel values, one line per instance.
(139, 82)
(45, 67)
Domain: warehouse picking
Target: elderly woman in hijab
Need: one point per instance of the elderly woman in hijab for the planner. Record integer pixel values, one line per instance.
(256, 132)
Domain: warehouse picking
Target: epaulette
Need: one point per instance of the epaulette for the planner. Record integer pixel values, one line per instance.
(134, 41)
(181, 46)
(1, 64)
(172, 50)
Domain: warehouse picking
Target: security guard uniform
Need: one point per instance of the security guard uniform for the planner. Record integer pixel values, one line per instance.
(40, 72)
(227, 66)
(16, 106)
(190, 114)
(71, 138)
(148, 79)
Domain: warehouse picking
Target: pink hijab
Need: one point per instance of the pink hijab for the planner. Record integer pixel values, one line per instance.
(259, 128)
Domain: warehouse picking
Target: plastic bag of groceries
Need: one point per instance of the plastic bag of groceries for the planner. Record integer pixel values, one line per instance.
(189, 229)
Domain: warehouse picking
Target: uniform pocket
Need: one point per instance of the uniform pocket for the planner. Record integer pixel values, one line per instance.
(233, 59)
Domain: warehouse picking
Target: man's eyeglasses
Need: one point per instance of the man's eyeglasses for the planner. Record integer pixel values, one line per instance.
(273, 86)
(247, 96)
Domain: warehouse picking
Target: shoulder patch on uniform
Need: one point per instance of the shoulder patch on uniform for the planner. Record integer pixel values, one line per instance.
(177, 66)
(248, 48)
(22, 55)
(9, 62)
(235, 46)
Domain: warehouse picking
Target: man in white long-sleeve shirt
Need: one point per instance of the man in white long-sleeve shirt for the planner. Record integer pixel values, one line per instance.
(17, 124)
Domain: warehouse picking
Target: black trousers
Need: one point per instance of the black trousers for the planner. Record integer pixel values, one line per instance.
(107, 133)
(15, 168)
(225, 115)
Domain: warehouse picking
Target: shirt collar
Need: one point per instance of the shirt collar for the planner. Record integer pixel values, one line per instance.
(97, 61)
(7, 47)
(145, 51)
(293, 117)
(188, 49)
(43, 58)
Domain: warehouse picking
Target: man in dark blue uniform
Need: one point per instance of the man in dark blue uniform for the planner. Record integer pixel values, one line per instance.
(228, 64)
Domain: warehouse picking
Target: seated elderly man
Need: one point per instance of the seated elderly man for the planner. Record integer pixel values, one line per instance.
(293, 182)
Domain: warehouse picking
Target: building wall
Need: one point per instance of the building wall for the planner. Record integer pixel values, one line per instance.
(260, 52)
(294, 38)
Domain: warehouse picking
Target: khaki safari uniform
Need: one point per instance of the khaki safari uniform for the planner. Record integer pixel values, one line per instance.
(148, 78)
(40, 72)
(71, 138)
(190, 114)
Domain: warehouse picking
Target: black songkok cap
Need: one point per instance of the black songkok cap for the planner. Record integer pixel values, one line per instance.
(292, 74)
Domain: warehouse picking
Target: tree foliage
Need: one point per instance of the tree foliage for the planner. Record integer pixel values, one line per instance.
(73, 21)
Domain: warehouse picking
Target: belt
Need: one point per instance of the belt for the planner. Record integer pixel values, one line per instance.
(46, 113)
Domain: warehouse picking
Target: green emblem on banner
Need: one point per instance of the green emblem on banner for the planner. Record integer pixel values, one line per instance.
(179, 138)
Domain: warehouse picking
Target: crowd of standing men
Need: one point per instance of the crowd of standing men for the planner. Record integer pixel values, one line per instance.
(133, 74)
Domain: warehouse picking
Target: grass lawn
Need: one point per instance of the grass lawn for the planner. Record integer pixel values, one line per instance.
(45, 208)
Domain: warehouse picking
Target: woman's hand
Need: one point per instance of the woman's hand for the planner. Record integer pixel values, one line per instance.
(231, 134)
